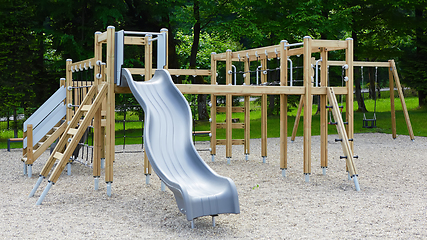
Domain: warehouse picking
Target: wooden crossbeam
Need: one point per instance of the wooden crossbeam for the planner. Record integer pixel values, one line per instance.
(233, 125)
(233, 109)
(233, 142)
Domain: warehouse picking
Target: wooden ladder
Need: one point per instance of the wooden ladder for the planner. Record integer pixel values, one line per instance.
(71, 137)
(345, 142)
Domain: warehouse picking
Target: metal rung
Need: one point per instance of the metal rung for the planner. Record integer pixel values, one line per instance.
(86, 108)
(58, 155)
(72, 131)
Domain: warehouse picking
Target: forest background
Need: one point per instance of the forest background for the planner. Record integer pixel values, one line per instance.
(37, 37)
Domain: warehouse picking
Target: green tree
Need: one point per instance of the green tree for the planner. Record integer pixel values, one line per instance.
(18, 51)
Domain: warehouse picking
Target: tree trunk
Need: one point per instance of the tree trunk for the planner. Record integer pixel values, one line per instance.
(357, 81)
(201, 104)
(421, 43)
(422, 98)
(15, 123)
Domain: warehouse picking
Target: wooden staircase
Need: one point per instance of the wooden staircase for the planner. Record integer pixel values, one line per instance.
(72, 135)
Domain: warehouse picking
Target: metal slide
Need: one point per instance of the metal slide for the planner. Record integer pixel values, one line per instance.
(198, 190)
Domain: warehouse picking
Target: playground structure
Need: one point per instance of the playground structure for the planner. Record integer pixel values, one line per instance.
(370, 122)
(97, 107)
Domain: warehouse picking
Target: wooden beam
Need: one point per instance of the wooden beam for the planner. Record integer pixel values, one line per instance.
(234, 109)
(134, 40)
(82, 65)
(190, 72)
(233, 125)
(336, 44)
(359, 64)
(184, 72)
(240, 90)
(233, 142)
(102, 37)
(402, 100)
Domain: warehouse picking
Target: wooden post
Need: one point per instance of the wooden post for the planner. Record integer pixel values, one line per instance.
(110, 128)
(97, 132)
(30, 143)
(307, 106)
(349, 98)
(263, 112)
(69, 93)
(402, 100)
(247, 110)
(393, 110)
(148, 74)
(283, 107)
(229, 105)
(323, 111)
(213, 107)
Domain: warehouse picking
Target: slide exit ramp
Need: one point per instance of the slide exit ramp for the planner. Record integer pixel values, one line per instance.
(198, 190)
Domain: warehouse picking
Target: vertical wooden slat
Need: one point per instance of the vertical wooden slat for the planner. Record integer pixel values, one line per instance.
(392, 107)
(307, 105)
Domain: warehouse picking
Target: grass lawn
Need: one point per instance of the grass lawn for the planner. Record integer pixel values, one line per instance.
(133, 129)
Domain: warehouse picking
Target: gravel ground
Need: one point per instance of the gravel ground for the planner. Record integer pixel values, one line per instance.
(392, 203)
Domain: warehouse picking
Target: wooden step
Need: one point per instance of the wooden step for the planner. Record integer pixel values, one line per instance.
(58, 155)
(72, 131)
(86, 108)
